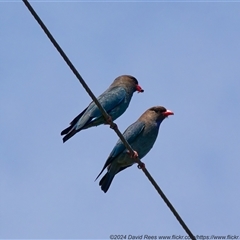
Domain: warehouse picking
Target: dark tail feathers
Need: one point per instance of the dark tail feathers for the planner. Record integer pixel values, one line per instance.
(106, 181)
(72, 123)
(69, 135)
(66, 130)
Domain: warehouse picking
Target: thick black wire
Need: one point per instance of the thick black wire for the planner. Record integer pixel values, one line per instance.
(107, 117)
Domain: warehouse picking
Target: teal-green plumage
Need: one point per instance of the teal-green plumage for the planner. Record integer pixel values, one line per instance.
(141, 135)
(115, 100)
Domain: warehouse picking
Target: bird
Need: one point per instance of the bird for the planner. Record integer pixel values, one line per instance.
(141, 135)
(115, 100)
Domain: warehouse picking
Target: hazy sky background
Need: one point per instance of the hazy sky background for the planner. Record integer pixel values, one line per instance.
(185, 56)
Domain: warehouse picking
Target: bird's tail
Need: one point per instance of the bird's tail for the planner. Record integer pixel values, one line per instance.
(106, 181)
(68, 133)
(66, 130)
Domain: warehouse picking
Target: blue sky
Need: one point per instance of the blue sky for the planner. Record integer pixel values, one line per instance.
(185, 56)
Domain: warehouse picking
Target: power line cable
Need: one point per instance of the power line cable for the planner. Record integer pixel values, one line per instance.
(107, 117)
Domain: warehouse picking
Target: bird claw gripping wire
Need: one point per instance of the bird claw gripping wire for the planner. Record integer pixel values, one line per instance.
(113, 126)
(134, 155)
(111, 123)
(141, 165)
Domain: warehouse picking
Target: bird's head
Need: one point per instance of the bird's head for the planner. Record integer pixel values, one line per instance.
(157, 114)
(129, 82)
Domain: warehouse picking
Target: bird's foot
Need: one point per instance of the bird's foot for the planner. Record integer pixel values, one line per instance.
(133, 155)
(110, 122)
(141, 166)
(113, 126)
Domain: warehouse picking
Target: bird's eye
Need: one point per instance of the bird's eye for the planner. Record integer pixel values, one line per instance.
(159, 109)
(154, 109)
(135, 80)
(163, 110)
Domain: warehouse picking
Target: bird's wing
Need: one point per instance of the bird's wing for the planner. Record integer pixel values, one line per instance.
(109, 100)
(75, 120)
(130, 134)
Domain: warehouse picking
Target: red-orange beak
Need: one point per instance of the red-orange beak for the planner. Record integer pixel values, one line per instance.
(139, 89)
(167, 113)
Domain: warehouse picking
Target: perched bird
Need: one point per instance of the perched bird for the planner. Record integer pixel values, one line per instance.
(141, 135)
(114, 100)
